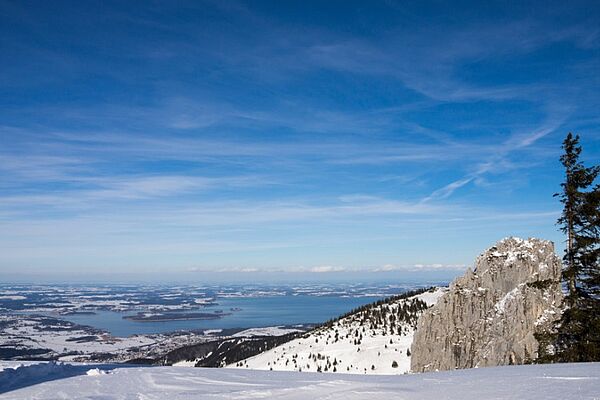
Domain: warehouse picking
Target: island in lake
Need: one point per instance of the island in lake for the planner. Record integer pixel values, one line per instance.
(154, 317)
(77, 313)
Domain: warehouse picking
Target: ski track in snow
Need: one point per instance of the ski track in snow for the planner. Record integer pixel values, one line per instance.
(543, 382)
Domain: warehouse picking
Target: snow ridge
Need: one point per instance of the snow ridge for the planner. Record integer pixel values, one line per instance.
(18, 375)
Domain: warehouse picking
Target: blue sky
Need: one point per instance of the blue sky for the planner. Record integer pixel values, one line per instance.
(307, 140)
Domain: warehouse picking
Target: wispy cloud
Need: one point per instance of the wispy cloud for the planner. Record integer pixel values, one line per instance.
(257, 137)
(449, 189)
(515, 142)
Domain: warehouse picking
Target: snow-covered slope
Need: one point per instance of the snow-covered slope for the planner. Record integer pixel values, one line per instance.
(543, 382)
(374, 340)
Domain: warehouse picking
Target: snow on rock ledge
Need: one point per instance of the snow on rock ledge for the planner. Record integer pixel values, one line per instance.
(490, 315)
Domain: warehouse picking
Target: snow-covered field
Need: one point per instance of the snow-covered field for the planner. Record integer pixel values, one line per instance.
(111, 382)
(348, 346)
(34, 332)
(39, 336)
(267, 331)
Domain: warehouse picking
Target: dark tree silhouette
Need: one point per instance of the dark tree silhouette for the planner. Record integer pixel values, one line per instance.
(577, 335)
(579, 220)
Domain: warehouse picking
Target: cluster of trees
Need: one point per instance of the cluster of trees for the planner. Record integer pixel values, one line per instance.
(392, 318)
(577, 336)
(387, 314)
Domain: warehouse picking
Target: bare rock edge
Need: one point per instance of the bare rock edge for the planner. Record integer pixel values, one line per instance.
(490, 315)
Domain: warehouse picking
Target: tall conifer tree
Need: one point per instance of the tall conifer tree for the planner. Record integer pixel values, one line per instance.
(578, 334)
(579, 219)
(590, 243)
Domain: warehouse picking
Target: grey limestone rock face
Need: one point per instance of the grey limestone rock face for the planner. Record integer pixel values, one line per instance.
(489, 316)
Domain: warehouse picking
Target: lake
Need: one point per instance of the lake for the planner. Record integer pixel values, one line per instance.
(254, 312)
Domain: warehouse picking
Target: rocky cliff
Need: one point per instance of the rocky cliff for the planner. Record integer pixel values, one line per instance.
(490, 315)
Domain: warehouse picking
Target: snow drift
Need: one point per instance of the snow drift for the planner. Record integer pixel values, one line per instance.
(543, 382)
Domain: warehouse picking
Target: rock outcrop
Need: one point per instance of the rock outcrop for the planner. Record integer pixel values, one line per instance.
(489, 316)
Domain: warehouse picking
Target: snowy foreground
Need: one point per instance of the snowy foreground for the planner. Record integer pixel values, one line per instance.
(51, 381)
